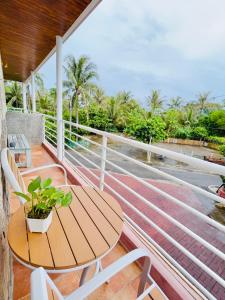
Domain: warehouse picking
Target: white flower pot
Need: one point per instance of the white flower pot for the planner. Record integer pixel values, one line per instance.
(39, 225)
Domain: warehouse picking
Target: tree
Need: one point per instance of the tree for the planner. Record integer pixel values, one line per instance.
(203, 98)
(155, 102)
(146, 130)
(14, 94)
(99, 95)
(80, 73)
(175, 103)
(124, 97)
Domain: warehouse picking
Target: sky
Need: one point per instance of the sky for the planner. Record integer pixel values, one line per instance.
(175, 46)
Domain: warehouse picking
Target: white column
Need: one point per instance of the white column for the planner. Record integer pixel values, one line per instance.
(33, 96)
(60, 133)
(24, 86)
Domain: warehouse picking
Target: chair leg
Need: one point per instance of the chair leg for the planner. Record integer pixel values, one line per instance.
(83, 275)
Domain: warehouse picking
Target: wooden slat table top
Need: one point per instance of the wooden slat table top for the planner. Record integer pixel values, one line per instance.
(78, 235)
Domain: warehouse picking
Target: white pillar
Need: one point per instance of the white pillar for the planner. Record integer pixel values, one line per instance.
(33, 96)
(60, 133)
(24, 97)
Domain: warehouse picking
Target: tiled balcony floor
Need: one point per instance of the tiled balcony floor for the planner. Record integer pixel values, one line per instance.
(123, 286)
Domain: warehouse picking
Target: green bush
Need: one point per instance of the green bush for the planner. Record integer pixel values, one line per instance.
(143, 130)
(222, 149)
(216, 140)
(199, 133)
(182, 133)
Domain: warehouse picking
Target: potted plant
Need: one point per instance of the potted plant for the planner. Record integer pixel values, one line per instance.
(41, 199)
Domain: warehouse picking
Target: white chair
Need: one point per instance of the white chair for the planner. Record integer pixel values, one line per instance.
(41, 283)
(15, 177)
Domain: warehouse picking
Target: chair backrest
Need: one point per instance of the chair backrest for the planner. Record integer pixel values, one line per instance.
(12, 172)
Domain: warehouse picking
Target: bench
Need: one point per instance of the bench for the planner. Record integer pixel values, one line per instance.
(18, 144)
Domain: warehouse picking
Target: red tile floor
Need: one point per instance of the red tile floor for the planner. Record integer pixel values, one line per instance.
(123, 286)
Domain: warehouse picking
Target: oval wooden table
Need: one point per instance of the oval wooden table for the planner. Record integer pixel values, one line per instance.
(79, 236)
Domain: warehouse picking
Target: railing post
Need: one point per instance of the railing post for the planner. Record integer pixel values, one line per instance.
(60, 141)
(103, 161)
(43, 126)
(33, 96)
(24, 97)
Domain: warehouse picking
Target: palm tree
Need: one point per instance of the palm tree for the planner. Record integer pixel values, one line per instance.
(113, 105)
(125, 97)
(155, 102)
(99, 95)
(14, 94)
(203, 98)
(175, 103)
(80, 73)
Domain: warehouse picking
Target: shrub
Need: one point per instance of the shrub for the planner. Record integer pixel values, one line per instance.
(222, 149)
(199, 133)
(182, 133)
(143, 130)
(216, 139)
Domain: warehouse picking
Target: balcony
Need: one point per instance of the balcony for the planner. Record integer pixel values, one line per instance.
(166, 216)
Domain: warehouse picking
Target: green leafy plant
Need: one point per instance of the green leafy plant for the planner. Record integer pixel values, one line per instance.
(222, 149)
(42, 197)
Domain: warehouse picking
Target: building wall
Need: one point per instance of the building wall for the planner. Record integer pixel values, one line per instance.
(6, 279)
(31, 125)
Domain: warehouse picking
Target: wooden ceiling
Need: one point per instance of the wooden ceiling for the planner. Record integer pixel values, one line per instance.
(28, 29)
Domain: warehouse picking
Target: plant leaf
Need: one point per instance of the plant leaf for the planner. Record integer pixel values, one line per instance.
(46, 183)
(34, 185)
(67, 199)
(26, 197)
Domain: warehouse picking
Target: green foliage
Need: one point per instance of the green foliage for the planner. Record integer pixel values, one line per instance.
(199, 133)
(99, 119)
(182, 133)
(42, 197)
(143, 130)
(214, 122)
(222, 149)
(216, 140)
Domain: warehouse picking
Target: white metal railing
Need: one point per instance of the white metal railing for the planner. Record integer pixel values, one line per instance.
(73, 152)
(16, 109)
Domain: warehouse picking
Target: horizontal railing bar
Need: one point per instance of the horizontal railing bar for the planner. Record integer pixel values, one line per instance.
(79, 173)
(93, 174)
(168, 196)
(159, 172)
(171, 219)
(173, 199)
(168, 176)
(204, 165)
(49, 117)
(152, 187)
(81, 146)
(46, 131)
(88, 160)
(47, 128)
(84, 138)
(50, 140)
(161, 212)
(174, 242)
(170, 258)
(50, 124)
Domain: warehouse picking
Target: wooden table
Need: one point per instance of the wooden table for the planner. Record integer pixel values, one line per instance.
(79, 235)
(18, 144)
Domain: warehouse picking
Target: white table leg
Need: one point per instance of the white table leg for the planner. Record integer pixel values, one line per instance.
(83, 275)
(28, 158)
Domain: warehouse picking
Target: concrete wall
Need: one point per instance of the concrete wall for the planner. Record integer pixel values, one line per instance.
(31, 125)
(6, 274)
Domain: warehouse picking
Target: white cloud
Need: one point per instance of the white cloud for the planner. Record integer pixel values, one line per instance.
(175, 45)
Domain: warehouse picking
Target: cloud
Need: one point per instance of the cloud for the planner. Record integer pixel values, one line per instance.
(176, 46)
